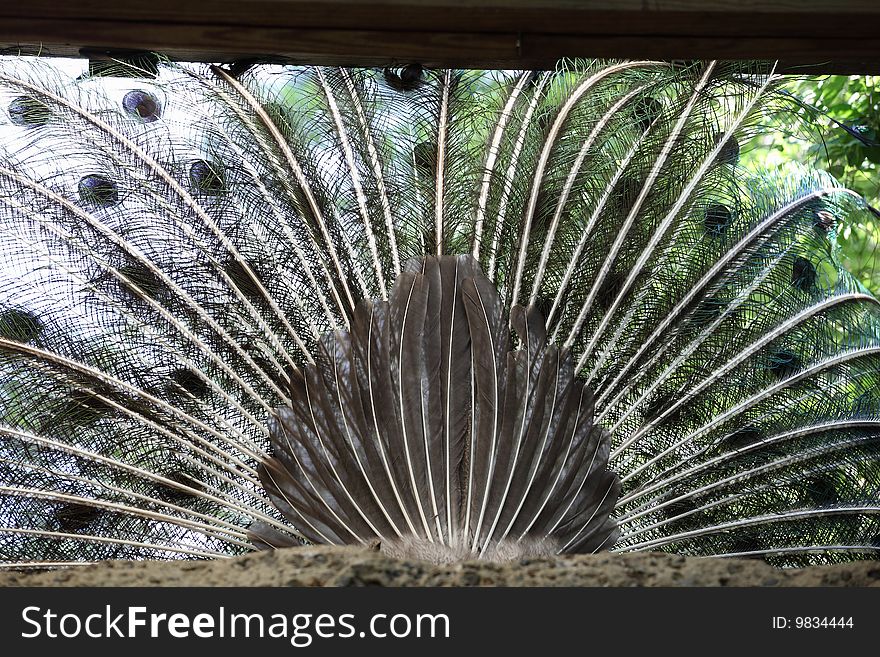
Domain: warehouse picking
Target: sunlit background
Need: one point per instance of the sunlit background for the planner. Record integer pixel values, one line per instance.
(844, 112)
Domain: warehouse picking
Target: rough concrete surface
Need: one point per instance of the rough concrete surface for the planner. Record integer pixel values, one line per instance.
(342, 566)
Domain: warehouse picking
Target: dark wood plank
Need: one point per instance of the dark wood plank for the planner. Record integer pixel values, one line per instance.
(695, 17)
(828, 36)
(226, 43)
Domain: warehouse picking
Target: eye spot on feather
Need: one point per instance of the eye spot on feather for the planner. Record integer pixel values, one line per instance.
(545, 206)
(823, 221)
(82, 407)
(408, 79)
(711, 308)
(679, 507)
(535, 77)
(281, 379)
(803, 274)
(659, 404)
(242, 280)
(20, 325)
(543, 304)
(729, 153)
(97, 190)
(277, 114)
(207, 178)
(646, 110)
(142, 105)
(172, 494)
(425, 156)
(73, 517)
(190, 381)
(717, 219)
(411, 74)
(608, 291)
(122, 64)
(783, 363)
(28, 112)
(428, 241)
(139, 275)
(820, 490)
(544, 119)
(241, 66)
(748, 435)
(746, 544)
(866, 404)
(626, 192)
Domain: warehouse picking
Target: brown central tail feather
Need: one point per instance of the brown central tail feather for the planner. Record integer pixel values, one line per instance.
(424, 429)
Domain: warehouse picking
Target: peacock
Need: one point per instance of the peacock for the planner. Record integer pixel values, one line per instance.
(452, 314)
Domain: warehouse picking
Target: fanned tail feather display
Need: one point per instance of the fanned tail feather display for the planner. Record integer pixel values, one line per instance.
(423, 430)
(459, 314)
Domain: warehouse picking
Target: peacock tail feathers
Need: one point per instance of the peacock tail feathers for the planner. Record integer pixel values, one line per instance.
(479, 449)
(429, 308)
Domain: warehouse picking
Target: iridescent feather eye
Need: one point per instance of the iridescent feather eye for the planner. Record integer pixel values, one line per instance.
(609, 290)
(425, 156)
(748, 435)
(190, 381)
(865, 404)
(81, 407)
(783, 363)
(179, 475)
(139, 276)
(409, 77)
(729, 153)
(748, 547)
(535, 78)
(803, 274)
(823, 221)
(626, 192)
(207, 178)
(677, 507)
(142, 105)
(122, 64)
(73, 517)
(711, 309)
(716, 219)
(821, 490)
(20, 325)
(646, 111)
(663, 407)
(98, 190)
(242, 279)
(28, 112)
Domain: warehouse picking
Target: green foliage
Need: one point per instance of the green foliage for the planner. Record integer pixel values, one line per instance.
(845, 114)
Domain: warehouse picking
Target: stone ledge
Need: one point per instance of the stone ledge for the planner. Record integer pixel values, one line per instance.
(345, 566)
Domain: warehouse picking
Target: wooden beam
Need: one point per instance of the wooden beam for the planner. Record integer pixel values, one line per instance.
(810, 35)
